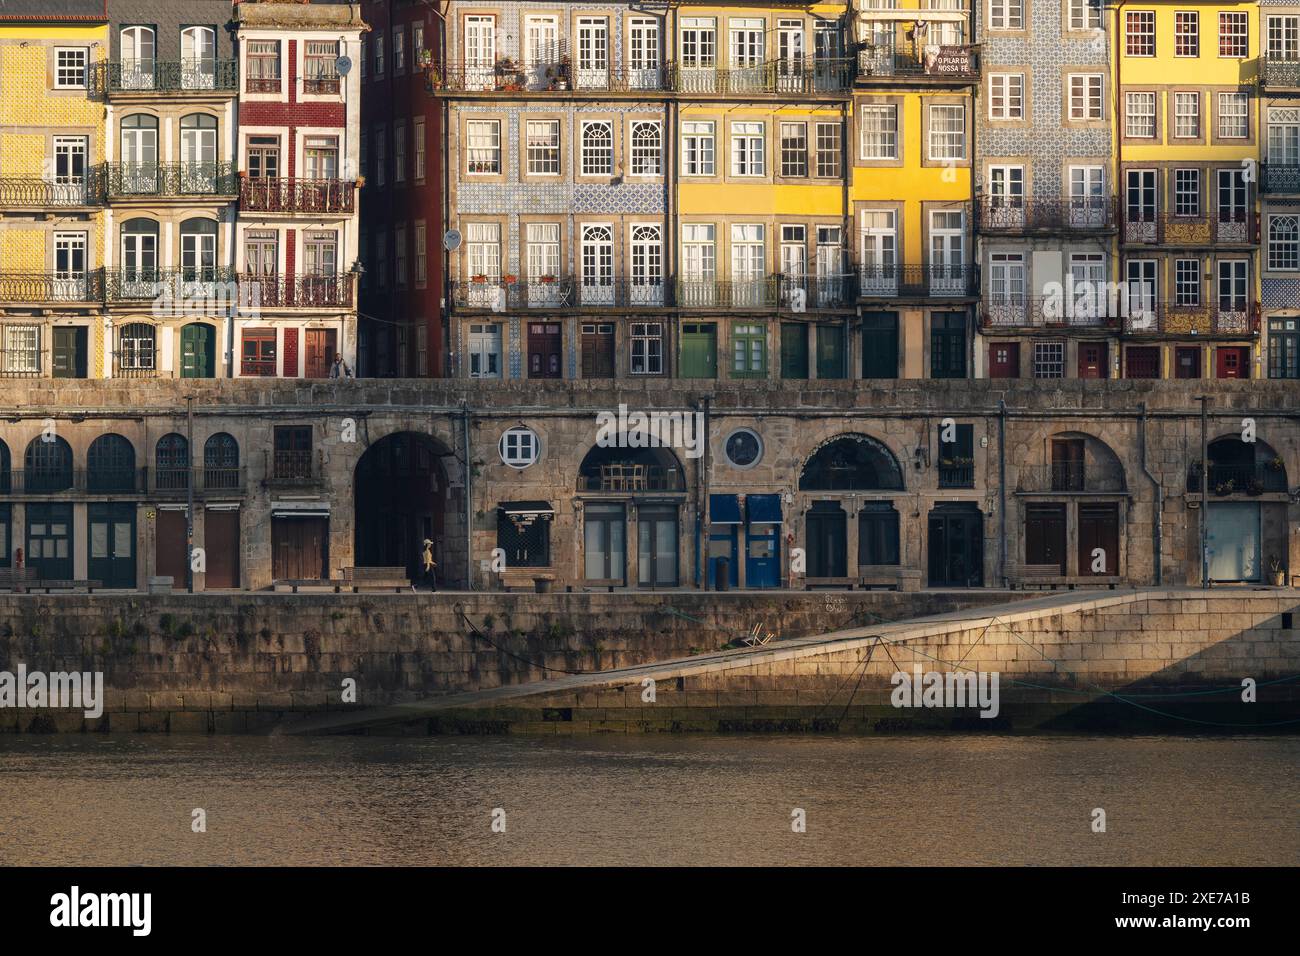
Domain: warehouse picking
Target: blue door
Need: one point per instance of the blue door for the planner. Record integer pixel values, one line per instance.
(724, 538)
(763, 541)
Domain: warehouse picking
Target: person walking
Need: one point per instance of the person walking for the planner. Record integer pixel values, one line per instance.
(340, 368)
(426, 559)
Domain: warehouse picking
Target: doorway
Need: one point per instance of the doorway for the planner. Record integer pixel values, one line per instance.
(170, 547)
(827, 540)
(1045, 535)
(49, 541)
(400, 499)
(699, 350)
(69, 351)
(956, 545)
(1233, 541)
(221, 543)
(111, 529)
(300, 547)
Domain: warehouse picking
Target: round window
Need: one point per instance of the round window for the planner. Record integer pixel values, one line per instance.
(744, 448)
(520, 447)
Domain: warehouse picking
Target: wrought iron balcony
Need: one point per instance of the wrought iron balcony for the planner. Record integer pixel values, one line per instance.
(1005, 216)
(325, 83)
(34, 192)
(52, 286)
(935, 281)
(1279, 72)
(758, 293)
(555, 75)
(183, 76)
(1238, 479)
(558, 293)
(1070, 477)
(793, 77)
(957, 473)
(1166, 229)
(59, 481)
(294, 467)
(1083, 310)
(1281, 179)
(1219, 318)
(809, 293)
(298, 292)
(198, 287)
(630, 476)
(262, 84)
(206, 480)
(909, 61)
(170, 180)
(281, 194)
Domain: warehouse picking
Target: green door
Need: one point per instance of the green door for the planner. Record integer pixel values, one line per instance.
(70, 352)
(880, 345)
(198, 351)
(830, 351)
(699, 350)
(49, 541)
(794, 350)
(112, 544)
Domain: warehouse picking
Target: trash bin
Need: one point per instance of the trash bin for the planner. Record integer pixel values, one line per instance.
(721, 574)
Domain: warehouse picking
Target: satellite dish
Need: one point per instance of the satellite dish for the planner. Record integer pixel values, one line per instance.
(451, 240)
(343, 65)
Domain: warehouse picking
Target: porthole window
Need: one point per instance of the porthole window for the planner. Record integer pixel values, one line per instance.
(744, 448)
(520, 447)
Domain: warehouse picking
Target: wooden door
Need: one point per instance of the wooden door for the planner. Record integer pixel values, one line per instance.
(1099, 528)
(699, 350)
(794, 350)
(69, 352)
(1004, 360)
(545, 342)
(49, 541)
(170, 551)
(1232, 362)
(198, 351)
(111, 532)
(1045, 535)
(1092, 360)
(299, 547)
(290, 366)
(320, 346)
(221, 543)
(598, 350)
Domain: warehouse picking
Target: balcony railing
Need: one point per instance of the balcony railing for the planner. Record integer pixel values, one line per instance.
(559, 293)
(183, 76)
(34, 192)
(183, 285)
(1279, 178)
(301, 292)
(170, 180)
(1038, 311)
(262, 84)
(956, 474)
(1242, 479)
(758, 293)
(318, 85)
(811, 292)
(1070, 476)
(1280, 72)
(800, 76)
(887, 282)
(628, 476)
(282, 194)
(959, 62)
(31, 481)
(1013, 216)
(293, 467)
(206, 480)
(1205, 230)
(52, 286)
(1208, 319)
(21, 363)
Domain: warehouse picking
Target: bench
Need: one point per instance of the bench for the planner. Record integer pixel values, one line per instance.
(525, 578)
(1040, 575)
(879, 576)
(306, 585)
(376, 579)
(49, 585)
(17, 580)
(841, 583)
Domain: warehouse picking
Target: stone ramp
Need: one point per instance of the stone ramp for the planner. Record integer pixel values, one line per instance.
(837, 654)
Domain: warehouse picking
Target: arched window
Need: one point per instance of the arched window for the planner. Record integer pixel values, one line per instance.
(136, 349)
(598, 148)
(110, 464)
(138, 172)
(1284, 242)
(198, 153)
(6, 464)
(138, 58)
(172, 463)
(47, 465)
(139, 276)
(221, 462)
(647, 148)
(199, 250)
(198, 58)
(852, 463)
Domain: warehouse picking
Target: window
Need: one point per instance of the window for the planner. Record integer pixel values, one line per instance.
(747, 149)
(262, 62)
(1006, 96)
(421, 255)
(484, 351)
(399, 152)
(748, 263)
(399, 255)
(1049, 360)
(1088, 270)
(483, 151)
(1085, 14)
(1006, 14)
(399, 49)
(381, 153)
(20, 350)
(957, 457)
(379, 55)
(1283, 38)
(1007, 277)
(1140, 32)
(879, 132)
(948, 346)
(1187, 115)
(135, 347)
(699, 39)
(543, 147)
(1187, 192)
(794, 149)
(483, 249)
(417, 44)
(749, 350)
(1284, 243)
(598, 148)
(597, 262)
(697, 149)
(647, 264)
(70, 65)
(647, 348)
(1086, 102)
(258, 352)
(293, 457)
(647, 148)
(320, 76)
(699, 254)
(1234, 120)
(1284, 348)
(525, 539)
(1234, 35)
(1140, 115)
(829, 146)
(743, 448)
(1187, 33)
(1187, 282)
(417, 140)
(643, 52)
(543, 261)
(519, 447)
(878, 534)
(947, 132)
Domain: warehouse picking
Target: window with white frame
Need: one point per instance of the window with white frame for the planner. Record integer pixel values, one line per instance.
(543, 144)
(22, 349)
(379, 55)
(417, 140)
(647, 264)
(421, 254)
(484, 349)
(647, 348)
(1283, 138)
(519, 447)
(1140, 115)
(1085, 14)
(1049, 360)
(879, 245)
(1234, 283)
(1187, 114)
(647, 148)
(399, 49)
(1140, 32)
(399, 152)
(1234, 34)
(1283, 41)
(698, 149)
(1284, 243)
(1005, 14)
(794, 149)
(1234, 116)
(748, 143)
(483, 147)
(381, 153)
(829, 148)
(483, 250)
(543, 257)
(70, 67)
(597, 148)
(1187, 33)
(1086, 98)
(1088, 271)
(748, 252)
(794, 251)
(1187, 282)
(1007, 276)
(879, 132)
(1006, 96)
(947, 132)
(699, 252)
(1187, 192)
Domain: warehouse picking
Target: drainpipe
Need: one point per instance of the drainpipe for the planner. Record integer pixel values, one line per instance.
(702, 484)
(469, 499)
(1002, 490)
(1160, 496)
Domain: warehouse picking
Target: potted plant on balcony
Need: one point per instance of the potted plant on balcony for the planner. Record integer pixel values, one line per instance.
(1275, 464)
(480, 278)
(547, 280)
(559, 74)
(1279, 572)
(1254, 486)
(509, 279)
(361, 181)
(1224, 488)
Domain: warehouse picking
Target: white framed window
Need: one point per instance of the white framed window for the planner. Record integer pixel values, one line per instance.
(1187, 192)
(399, 49)
(647, 148)
(647, 263)
(543, 144)
(71, 64)
(1007, 276)
(421, 254)
(1284, 243)
(399, 152)
(1140, 115)
(748, 145)
(1140, 33)
(1234, 282)
(1187, 114)
(879, 263)
(794, 150)
(1187, 33)
(1234, 34)
(484, 350)
(1006, 14)
(483, 250)
(1088, 270)
(596, 261)
(597, 148)
(699, 43)
(1006, 96)
(417, 140)
(22, 349)
(829, 149)
(647, 348)
(381, 153)
(794, 251)
(879, 132)
(1087, 101)
(699, 251)
(698, 149)
(947, 132)
(643, 46)
(1187, 282)
(519, 447)
(1049, 360)
(1234, 115)
(1283, 138)
(399, 255)
(543, 258)
(483, 147)
(1283, 40)
(1007, 186)
(379, 55)
(1085, 14)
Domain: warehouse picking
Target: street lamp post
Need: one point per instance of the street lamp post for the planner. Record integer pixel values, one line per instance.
(189, 494)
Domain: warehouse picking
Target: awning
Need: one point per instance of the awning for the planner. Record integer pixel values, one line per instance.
(527, 509)
(724, 509)
(299, 513)
(763, 509)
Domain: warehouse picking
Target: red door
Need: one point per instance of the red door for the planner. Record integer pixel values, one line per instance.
(1004, 360)
(544, 350)
(290, 353)
(1092, 360)
(221, 544)
(320, 345)
(1232, 362)
(170, 549)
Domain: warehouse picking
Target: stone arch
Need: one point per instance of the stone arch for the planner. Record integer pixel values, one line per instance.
(400, 498)
(853, 461)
